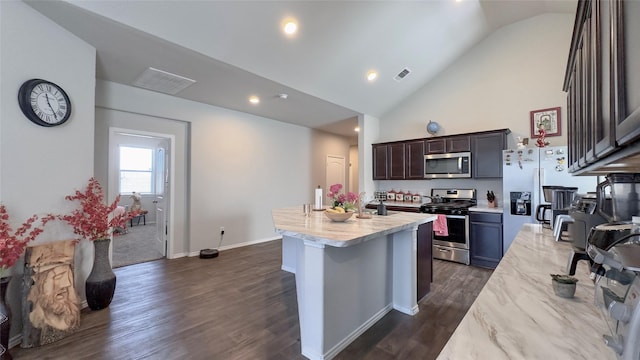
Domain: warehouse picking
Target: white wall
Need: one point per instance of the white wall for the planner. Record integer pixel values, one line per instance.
(240, 166)
(321, 145)
(113, 94)
(495, 85)
(354, 185)
(369, 134)
(40, 165)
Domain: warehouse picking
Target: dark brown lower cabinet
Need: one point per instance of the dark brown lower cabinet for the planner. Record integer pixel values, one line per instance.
(425, 259)
(485, 239)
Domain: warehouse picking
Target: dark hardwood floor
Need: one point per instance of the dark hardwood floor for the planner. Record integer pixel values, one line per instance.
(242, 306)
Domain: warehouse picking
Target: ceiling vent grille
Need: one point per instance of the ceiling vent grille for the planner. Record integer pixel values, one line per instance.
(402, 74)
(162, 81)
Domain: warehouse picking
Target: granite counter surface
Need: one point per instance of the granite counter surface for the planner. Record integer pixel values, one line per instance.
(319, 228)
(517, 315)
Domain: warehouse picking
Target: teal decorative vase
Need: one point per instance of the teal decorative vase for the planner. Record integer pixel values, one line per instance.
(101, 283)
(5, 320)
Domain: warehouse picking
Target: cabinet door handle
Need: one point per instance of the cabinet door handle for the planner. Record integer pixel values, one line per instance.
(444, 250)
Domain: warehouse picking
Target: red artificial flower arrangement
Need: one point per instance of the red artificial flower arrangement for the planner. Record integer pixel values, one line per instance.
(91, 221)
(13, 243)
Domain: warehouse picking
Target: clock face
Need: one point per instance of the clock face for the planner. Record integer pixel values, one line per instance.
(44, 102)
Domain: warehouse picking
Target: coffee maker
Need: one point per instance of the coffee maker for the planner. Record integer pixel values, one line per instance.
(617, 295)
(625, 201)
(617, 208)
(614, 250)
(583, 211)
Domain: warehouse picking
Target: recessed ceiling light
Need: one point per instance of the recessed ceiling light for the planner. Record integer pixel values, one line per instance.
(290, 26)
(372, 75)
(254, 99)
(283, 96)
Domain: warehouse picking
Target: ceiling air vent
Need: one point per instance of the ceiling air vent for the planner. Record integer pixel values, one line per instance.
(402, 74)
(162, 81)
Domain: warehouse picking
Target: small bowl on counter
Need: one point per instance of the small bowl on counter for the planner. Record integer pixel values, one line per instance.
(564, 285)
(339, 217)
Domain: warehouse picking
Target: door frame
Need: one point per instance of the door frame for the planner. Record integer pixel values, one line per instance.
(112, 182)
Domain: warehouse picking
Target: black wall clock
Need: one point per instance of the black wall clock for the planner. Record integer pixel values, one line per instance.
(44, 102)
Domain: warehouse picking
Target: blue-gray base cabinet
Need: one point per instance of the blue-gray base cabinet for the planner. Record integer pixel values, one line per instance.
(485, 239)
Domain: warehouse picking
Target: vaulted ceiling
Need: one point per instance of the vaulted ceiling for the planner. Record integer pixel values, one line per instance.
(236, 49)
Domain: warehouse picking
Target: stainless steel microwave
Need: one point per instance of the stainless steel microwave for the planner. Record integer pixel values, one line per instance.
(447, 166)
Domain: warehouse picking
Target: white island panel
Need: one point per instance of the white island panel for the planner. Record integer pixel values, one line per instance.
(348, 275)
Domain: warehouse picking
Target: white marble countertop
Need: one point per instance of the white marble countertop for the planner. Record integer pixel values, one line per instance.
(486, 208)
(319, 228)
(517, 315)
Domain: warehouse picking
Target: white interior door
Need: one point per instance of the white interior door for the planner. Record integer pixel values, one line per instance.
(160, 202)
(335, 172)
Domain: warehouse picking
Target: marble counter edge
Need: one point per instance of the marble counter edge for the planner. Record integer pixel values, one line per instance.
(325, 240)
(481, 208)
(354, 241)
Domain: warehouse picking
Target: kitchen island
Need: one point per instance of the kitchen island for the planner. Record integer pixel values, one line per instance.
(518, 316)
(348, 274)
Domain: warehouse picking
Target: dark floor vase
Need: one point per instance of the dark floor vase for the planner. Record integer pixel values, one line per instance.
(5, 319)
(101, 283)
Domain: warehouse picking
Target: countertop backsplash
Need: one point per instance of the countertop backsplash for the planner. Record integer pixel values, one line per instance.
(423, 187)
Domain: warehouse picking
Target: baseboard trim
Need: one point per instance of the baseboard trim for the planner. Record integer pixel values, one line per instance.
(409, 311)
(233, 246)
(15, 341)
(357, 332)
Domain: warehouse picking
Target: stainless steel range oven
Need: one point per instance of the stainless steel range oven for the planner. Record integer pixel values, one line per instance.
(453, 205)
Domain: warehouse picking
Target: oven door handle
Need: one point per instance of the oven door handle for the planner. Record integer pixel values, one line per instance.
(456, 216)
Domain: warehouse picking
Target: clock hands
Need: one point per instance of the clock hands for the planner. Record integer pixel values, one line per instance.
(51, 107)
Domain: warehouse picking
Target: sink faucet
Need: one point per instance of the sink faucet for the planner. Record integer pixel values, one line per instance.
(382, 209)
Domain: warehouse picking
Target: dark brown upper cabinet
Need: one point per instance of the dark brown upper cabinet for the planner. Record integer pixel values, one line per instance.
(380, 162)
(602, 81)
(449, 144)
(396, 161)
(486, 154)
(626, 32)
(404, 160)
(415, 159)
(389, 161)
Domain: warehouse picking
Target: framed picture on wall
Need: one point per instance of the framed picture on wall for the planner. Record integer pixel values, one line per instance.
(548, 120)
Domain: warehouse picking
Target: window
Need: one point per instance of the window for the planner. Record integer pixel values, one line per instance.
(136, 170)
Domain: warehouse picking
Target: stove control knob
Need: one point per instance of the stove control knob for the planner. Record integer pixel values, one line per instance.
(614, 343)
(620, 311)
